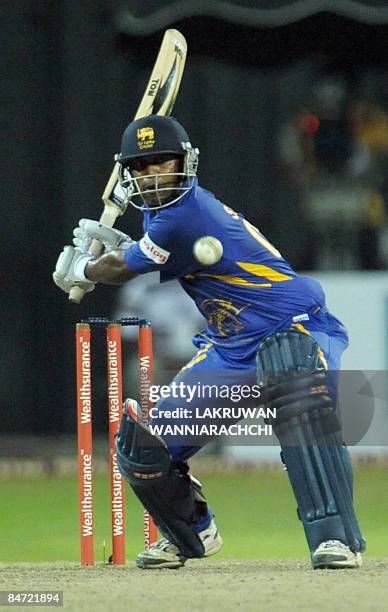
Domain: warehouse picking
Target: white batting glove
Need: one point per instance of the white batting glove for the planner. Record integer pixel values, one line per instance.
(70, 270)
(89, 230)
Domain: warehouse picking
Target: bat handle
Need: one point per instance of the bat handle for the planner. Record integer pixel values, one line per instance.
(76, 294)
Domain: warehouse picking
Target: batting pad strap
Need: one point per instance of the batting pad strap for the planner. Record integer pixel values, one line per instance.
(164, 490)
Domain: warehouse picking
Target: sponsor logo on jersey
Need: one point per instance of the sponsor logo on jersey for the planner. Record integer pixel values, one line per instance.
(302, 317)
(145, 138)
(153, 251)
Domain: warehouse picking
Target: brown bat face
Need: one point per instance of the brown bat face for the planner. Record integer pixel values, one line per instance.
(156, 177)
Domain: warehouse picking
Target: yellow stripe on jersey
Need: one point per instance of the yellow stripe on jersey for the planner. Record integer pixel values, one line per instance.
(193, 362)
(301, 328)
(200, 356)
(235, 280)
(265, 271)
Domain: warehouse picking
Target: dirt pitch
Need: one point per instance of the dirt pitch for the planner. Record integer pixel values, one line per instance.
(205, 586)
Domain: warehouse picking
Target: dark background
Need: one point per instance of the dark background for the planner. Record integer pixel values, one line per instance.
(72, 78)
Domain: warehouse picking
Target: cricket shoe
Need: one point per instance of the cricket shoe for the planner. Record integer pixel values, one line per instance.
(164, 554)
(333, 554)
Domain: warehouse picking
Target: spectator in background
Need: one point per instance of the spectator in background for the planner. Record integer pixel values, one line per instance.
(370, 117)
(336, 151)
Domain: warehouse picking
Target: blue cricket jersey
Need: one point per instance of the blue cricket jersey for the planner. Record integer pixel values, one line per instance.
(251, 292)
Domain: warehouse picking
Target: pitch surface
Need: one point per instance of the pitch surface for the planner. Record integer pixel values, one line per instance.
(205, 586)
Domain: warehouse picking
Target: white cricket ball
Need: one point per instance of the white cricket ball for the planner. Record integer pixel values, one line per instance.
(208, 250)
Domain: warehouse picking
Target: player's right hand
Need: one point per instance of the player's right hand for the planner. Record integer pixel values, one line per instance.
(70, 270)
(89, 230)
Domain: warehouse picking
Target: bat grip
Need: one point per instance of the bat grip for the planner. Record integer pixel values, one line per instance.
(108, 218)
(77, 293)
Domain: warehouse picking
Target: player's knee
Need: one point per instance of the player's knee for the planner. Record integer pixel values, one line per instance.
(142, 458)
(288, 367)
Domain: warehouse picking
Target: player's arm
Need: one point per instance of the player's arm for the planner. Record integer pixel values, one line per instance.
(110, 269)
(123, 258)
(117, 266)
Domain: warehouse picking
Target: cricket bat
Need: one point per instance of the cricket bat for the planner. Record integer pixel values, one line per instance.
(158, 99)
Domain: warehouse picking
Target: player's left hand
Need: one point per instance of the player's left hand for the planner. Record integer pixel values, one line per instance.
(70, 270)
(89, 230)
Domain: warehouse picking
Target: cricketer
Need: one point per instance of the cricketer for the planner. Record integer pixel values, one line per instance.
(266, 325)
